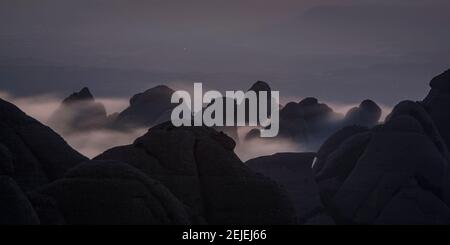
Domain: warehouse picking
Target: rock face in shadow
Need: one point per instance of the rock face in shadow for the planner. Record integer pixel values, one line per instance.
(46, 208)
(333, 142)
(198, 165)
(146, 108)
(30, 152)
(43, 181)
(231, 131)
(396, 173)
(15, 209)
(310, 123)
(79, 112)
(31, 156)
(307, 122)
(293, 171)
(6, 161)
(303, 120)
(114, 193)
(367, 114)
(437, 104)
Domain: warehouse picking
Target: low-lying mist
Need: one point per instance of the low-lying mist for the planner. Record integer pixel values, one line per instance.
(89, 143)
(95, 141)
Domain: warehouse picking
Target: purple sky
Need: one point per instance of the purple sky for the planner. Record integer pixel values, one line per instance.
(335, 50)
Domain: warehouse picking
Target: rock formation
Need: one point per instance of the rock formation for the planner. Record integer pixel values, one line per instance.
(198, 165)
(146, 108)
(367, 114)
(396, 173)
(30, 152)
(44, 181)
(114, 193)
(307, 122)
(437, 104)
(15, 208)
(79, 112)
(293, 171)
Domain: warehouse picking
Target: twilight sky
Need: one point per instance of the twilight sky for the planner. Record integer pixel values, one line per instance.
(336, 50)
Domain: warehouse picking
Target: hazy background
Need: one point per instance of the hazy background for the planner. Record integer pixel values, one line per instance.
(340, 51)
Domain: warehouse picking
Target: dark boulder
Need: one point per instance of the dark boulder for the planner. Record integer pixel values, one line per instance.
(146, 108)
(437, 104)
(393, 174)
(441, 82)
(367, 114)
(35, 153)
(6, 161)
(100, 192)
(332, 143)
(418, 112)
(200, 168)
(231, 131)
(293, 171)
(46, 209)
(15, 209)
(307, 122)
(309, 109)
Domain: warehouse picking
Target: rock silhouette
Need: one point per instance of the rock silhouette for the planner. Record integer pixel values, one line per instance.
(44, 181)
(333, 142)
(83, 95)
(307, 122)
(437, 104)
(98, 192)
(15, 208)
(146, 108)
(199, 167)
(32, 153)
(395, 173)
(367, 114)
(293, 171)
(6, 161)
(79, 112)
(232, 131)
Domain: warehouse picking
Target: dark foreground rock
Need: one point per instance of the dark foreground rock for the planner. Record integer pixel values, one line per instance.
(397, 173)
(15, 208)
(31, 153)
(114, 193)
(199, 167)
(437, 104)
(293, 171)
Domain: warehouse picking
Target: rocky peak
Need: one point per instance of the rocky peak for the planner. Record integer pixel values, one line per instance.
(82, 96)
(442, 82)
(260, 86)
(308, 101)
(155, 93)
